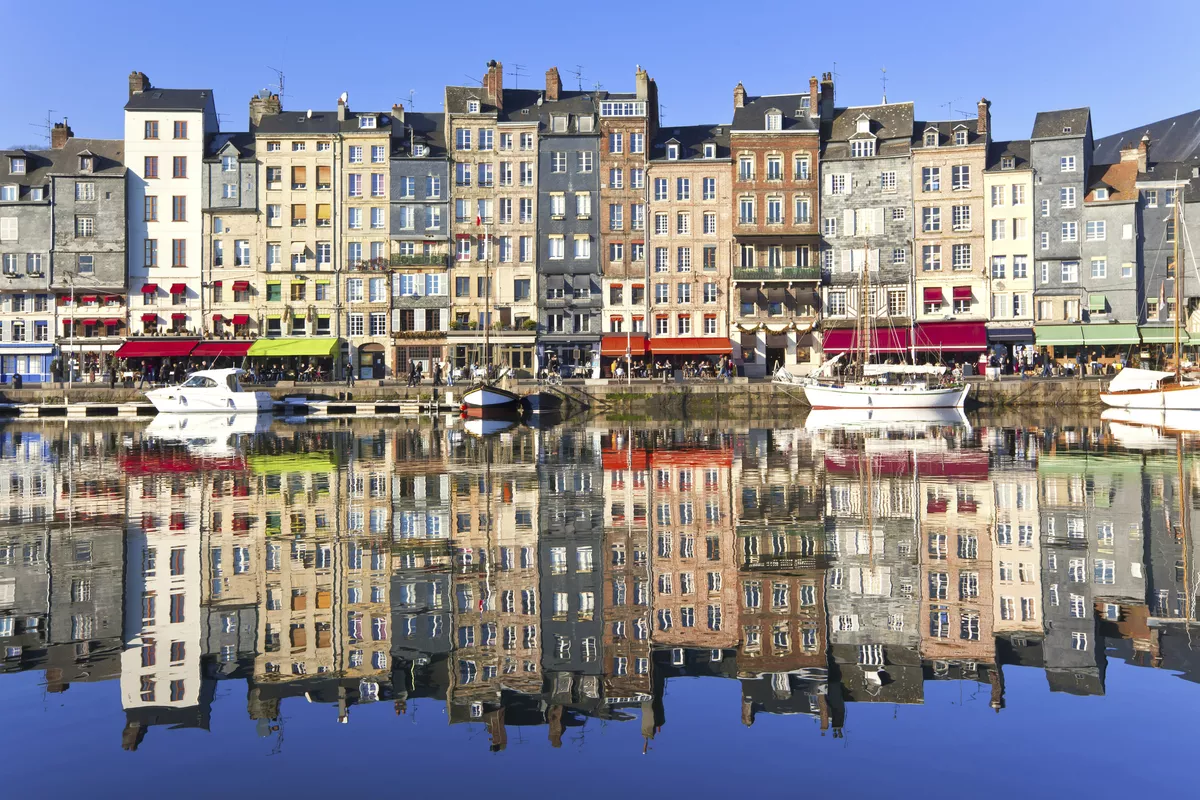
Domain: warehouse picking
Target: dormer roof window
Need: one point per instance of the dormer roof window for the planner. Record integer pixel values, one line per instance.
(16, 165)
(931, 138)
(558, 123)
(419, 150)
(472, 106)
(673, 151)
(804, 101)
(586, 123)
(960, 138)
(86, 161)
(1007, 162)
(863, 124)
(1101, 193)
(710, 150)
(366, 121)
(774, 120)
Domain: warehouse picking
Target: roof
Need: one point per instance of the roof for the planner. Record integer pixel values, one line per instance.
(752, 116)
(946, 130)
(691, 139)
(1120, 180)
(298, 122)
(109, 155)
(578, 104)
(350, 124)
(428, 128)
(1173, 139)
(1051, 124)
(242, 141)
(1018, 149)
(890, 121)
(517, 101)
(458, 96)
(170, 100)
(1178, 171)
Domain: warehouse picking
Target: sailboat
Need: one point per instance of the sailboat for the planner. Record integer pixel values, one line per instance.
(881, 385)
(1155, 389)
(485, 398)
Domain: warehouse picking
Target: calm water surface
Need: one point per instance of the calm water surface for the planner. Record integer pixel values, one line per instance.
(597, 609)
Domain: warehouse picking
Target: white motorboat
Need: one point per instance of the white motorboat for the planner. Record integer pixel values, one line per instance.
(210, 391)
(1152, 389)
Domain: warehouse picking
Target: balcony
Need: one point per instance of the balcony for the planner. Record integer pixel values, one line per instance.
(777, 274)
(420, 260)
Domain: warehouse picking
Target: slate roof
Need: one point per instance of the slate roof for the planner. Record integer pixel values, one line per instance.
(429, 128)
(946, 130)
(1018, 149)
(1173, 139)
(1050, 124)
(1120, 179)
(243, 141)
(891, 121)
(516, 101)
(383, 121)
(109, 155)
(1188, 171)
(458, 96)
(691, 140)
(155, 99)
(753, 115)
(577, 104)
(298, 122)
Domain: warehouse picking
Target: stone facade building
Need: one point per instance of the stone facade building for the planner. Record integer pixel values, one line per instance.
(1008, 245)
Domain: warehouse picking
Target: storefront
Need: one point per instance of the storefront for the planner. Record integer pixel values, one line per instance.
(951, 342)
(370, 361)
(31, 361)
(217, 354)
(157, 360)
(91, 359)
(425, 353)
(293, 359)
(508, 349)
(620, 349)
(1158, 345)
(697, 356)
(886, 342)
(767, 346)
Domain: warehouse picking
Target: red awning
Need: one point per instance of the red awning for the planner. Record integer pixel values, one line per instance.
(933, 294)
(883, 340)
(962, 292)
(241, 286)
(155, 348)
(149, 288)
(179, 288)
(462, 236)
(952, 336)
(112, 322)
(213, 349)
(217, 318)
(149, 317)
(113, 298)
(690, 346)
(87, 322)
(216, 283)
(88, 298)
(67, 323)
(241, 319)
(614, 344)
(179, 315)
(847, 462)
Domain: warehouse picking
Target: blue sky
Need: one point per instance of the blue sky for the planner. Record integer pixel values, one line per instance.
(1131, 62)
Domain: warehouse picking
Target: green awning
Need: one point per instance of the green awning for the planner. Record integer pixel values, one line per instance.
(1102, 333)
(1050, 335)
(1097, 302)
(1162, 335)
(293, 347)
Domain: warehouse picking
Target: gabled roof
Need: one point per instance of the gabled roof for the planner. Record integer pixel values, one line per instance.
(752, 116)
(457, 98)
(946, 130)
(383, 120)
(1051, 124)
(1120, 180)
(240, 144)
(170, 100)
(1173, 139)
(691, 140)
(298, 122)
(890, 121)
(577, 104)
(1018, 149)
(108, 160)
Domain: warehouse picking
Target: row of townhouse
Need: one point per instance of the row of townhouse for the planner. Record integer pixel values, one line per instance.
(571, 223)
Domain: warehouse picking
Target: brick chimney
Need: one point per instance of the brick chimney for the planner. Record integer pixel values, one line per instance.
(1143, 152)
(984, 125)
(343, 102)
(553, 84)
(739, 96)
(814, 97)
(138, 83)
(826, 95)
(398, 112)
(493, 83)
(262, 106)
(59, 134)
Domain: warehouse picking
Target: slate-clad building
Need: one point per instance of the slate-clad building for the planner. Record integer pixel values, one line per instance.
(231, 237)
(1109, 268)
(420, 232)
(570, 300)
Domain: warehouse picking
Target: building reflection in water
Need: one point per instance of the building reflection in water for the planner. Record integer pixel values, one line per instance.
(542, 578)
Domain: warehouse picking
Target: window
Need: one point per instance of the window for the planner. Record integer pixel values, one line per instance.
(179, 167)
(1066, 197)
(150, 167)
(961, 256)
(999, 267)
(803, 212)
(931, 219)
(1070, 231)
(960, 218)
(887, 181)
(960, 177)
(616, 143)
(931, 257)
(1066, 164)
(839, 184)
(862, 148)
(85, 226)
(1095, 231)
(746, 168)
(999, 229)
(1099, 268)
(931, 179)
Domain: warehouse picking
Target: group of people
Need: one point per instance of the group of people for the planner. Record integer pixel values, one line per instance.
(664, 369)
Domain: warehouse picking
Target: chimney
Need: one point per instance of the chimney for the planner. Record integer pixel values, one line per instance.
(739, 96)
(59, 134)
(138, 83)
(398, 112)
(814, 97)
(493, 83)
(827, 95)
(262, 106)
(1143, 152)
(343, 100)
(553, 84)
(984, 125)
(642, 81)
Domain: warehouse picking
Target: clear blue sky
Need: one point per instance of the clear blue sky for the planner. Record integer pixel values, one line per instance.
(1132, 62)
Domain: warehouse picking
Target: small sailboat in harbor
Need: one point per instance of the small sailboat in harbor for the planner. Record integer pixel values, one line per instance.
(486, 398)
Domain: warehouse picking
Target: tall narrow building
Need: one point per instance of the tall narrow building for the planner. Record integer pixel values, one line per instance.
(1008, 245)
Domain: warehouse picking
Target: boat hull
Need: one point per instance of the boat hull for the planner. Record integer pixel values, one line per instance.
(177, 400)
(485, 400)
(853, 395)
(1184, 397)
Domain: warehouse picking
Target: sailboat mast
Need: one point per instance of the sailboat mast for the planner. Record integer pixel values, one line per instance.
(1178, 287)
(487, 300)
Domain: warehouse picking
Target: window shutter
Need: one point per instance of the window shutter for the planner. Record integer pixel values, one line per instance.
(849, 183)
(418, 320)
(873, 259)
(828, 184)
(847, 261)
(848, 222)
(879, 222)
(395, 319)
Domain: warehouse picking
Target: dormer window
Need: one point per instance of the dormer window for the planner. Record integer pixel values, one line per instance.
(960, 138)
(85, 163)
(804, 102)
(366, 121)
(558, 123)
(16, 165)
(1007, 162)
(1102, 193)
(931, 139)
(586, 124)
(710, 150)
(862, 148)
(672, 152)
(774, 120)
(863, 125)
(472, 106)
(418, 150)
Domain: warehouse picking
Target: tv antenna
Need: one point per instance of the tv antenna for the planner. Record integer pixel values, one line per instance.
(837, 76)
(950, 112)
(597, 86)
(47, 125)
(278, 82)
(578, 73)
(662, 113)
(884, 79)
(411, 94)
(517, 71)
(473, 80)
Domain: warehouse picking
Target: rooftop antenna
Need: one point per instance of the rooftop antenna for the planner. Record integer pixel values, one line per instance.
(884, 79)
(837, 76)
(46, 125)
(473, 80)
(517, 71)
(597, 86)
(950, 106)
(662, 113)
(278, 82)
(411, 93)
(578, 73)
